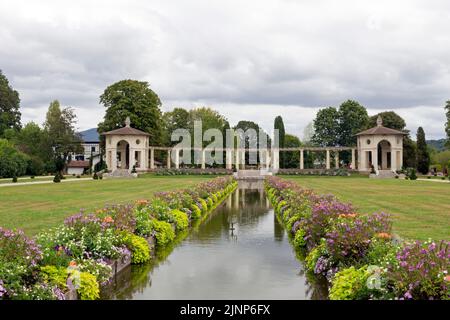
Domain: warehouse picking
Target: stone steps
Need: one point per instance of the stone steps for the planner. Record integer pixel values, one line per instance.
(384, 174)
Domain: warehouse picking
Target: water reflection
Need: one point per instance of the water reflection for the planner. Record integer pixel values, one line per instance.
(240, 251)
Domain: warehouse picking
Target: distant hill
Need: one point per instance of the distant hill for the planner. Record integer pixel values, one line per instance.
(437, 144)
(90, 135)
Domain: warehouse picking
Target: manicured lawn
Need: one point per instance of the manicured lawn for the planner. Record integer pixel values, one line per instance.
(421, 209)
(36, 207)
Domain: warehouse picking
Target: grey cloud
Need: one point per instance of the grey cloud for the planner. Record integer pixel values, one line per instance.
(258, 54)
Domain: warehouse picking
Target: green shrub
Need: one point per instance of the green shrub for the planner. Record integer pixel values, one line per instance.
(196, 212)
(280, 205)
(350, 284)
(164, 232)
(89, 288)
(144, 224)
(181, 219)
(299, 241)
(204, 205)
(140, 251)
(57, 178)
(313, 256)
(214, 198)
(95, 176)
(55, 276)
(379, 250)
(14, 179)
(210, 203)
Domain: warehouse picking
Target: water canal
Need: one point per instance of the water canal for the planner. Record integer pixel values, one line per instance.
(240, 251)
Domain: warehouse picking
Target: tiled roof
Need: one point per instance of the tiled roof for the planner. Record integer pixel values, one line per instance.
(78, 164)
(380, 130)
(126, 131)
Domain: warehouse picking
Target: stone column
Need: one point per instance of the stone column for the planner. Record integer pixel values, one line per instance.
(237, 159)
(132, 160)
(169, 161)
(328, 160)
(394, 160)
(229, 159)
(236, 199)
(353, 159)
(243, 159)
(302, 162)
(336, 159)
(177, 158)
(203, 159)
(152, 158)
(113, 159)
(375, 159)
(276, 159)
(267, 159)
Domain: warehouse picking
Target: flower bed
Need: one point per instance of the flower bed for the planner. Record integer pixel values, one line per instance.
(76, 258)
(358, 254)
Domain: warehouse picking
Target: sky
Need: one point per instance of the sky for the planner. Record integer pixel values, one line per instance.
(250, 60)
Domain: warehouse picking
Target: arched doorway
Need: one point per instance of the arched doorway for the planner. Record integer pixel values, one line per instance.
(384, 155)
(123, 155)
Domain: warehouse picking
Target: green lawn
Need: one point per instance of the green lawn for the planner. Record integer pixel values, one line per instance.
(36, 207)
(421, 209)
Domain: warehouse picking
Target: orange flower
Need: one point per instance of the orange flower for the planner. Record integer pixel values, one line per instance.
(72, 263)
(141, 202)
(108, 219)
(348, 215)
(383, 235)
(447, 278)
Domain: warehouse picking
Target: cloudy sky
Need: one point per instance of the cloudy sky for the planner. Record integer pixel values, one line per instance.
(250, 60)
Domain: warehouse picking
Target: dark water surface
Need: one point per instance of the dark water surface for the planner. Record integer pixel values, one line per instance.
(240, 251)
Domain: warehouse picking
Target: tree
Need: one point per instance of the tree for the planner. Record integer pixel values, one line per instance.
(447, 125)
(423, 156)
(279, 125)
(33, 141)
(211, 119)
(9, 106)
(326, 128)
(252, 142)
(409, 153)
(292, 158)
(60, 128)
(134, 99)
(178, 118)
(390, 120)
(13, 163)
(353, 118)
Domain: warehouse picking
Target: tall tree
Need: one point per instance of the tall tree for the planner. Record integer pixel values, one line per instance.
(326, 128)
(279, 125)
(9, 106)
(447, 125)
(211, 119)
(178, 118)
(423, 156)
(60, 128)
(390, 120)
(292, 158)
(249, 141)
(353, 118)
(33, 141)
(134, 99)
